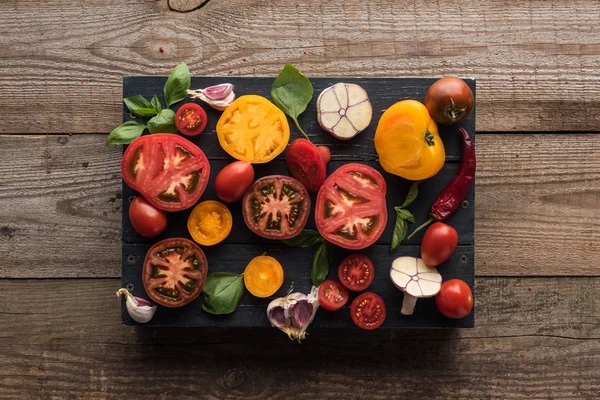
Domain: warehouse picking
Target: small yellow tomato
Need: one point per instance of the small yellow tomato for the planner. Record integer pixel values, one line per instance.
(263, 276)
(210, 222)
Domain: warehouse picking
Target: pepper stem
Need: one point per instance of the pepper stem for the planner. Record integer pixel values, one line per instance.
(300, 129)
(430, 220)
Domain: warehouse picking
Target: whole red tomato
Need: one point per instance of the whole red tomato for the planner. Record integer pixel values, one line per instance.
(449, 100)
(146, 219)
(455, 299)
(234, 180)
(438, 244)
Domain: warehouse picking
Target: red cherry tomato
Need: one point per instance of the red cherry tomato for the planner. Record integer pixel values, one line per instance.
(368, 311)
(191, 119)
(233, 181)
(356, 272)
(439, 242)
(305, 163)
(332, 295)
(325, 153)
(455, 299)
(146, 219)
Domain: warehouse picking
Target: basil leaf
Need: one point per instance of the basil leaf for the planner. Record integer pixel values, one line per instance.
(177, 85)
(412, 195)
(155, 102)
(222, 292)
(400, 231)
(404, 214)
(306, 238)
(292, 92)
(125, 133)
(164, 122)
(321, 262)
(139, 106)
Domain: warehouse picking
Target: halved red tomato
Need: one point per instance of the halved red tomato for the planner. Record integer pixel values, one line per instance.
(276, 207)
(368, 311)
(191, 119)
(169, 171)
(332, 295)
(306, 163)
(174, 272)
(351, 210)
(356, 272)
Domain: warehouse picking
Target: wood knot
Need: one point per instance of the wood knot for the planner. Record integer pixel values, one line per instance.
(185, 6)
(234, 378)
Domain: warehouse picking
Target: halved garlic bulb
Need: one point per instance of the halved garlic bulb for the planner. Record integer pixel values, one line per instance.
(344, 110)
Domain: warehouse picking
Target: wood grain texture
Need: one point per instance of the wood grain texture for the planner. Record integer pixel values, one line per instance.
(536, 62)
(535, 213)
(535, 338)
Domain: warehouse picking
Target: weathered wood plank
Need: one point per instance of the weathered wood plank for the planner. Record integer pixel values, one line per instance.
(534, 213)
(536, 62)
(535, 338)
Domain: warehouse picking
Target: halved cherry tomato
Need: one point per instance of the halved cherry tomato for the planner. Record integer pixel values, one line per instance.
(305, 163)
(455, 299)
(438, 244)
(168, 170)
(253, 129)
(356, 272)
(191, 119)
(146, 219)
(233, 181)
(276, 207)
(368, 311)
(332, 295)
(174, 272)
(210, 222)
(351, 211)
(263, 276)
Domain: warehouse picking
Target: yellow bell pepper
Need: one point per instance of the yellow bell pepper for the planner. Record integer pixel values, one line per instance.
(408, 143)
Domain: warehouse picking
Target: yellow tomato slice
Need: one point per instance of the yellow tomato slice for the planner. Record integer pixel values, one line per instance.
(263, 276)
(210, 222)
(253, 129)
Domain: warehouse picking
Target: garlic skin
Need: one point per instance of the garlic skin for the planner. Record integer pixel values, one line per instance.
(293, 313)
(140, 310)
(218, 97)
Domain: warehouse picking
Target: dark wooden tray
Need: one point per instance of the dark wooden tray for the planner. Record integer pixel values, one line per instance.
(241, 246)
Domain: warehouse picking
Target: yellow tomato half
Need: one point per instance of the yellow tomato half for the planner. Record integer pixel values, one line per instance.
(253, 129)
(408, 143)
(263, 276)
(210, 222)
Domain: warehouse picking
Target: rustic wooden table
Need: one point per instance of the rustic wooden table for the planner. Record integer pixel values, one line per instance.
(537, 329)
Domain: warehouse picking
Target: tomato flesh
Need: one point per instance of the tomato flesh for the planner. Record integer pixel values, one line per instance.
(351, 211)
(263, 276)
(332, 295)
(368, 311)
(191, 119)
(146, 219)
(210, 222)
(439, 242)
(276, 207)
(168, 170)
(306, 163)
(455, 299)
(233, 181)
(356, 272)
(174, 272)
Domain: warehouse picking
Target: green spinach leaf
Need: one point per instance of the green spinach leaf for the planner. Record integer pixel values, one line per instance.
(292, 92)
(177, 85)
(126, 133)
(321, 261)
(164, 122)
(139, 106)
(222, 292)
(306, 238)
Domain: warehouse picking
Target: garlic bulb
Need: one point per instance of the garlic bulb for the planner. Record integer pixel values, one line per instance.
(217, 96)
(344, 110)
(293, 313)
(140, 310)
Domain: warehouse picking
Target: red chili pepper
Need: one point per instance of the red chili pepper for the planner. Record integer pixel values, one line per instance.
(458, 188)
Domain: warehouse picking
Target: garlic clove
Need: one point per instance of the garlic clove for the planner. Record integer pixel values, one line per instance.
(344, 110)
(218, 97)
(140, 310)
(293, 313)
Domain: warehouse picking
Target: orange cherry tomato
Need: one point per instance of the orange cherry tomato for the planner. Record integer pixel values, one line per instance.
(263, 276)
(210, 222)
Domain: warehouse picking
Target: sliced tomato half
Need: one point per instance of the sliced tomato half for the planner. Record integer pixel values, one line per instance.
(368, 311)
(169, 171)
(174, 272)
(351, 211)
(356, 272)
